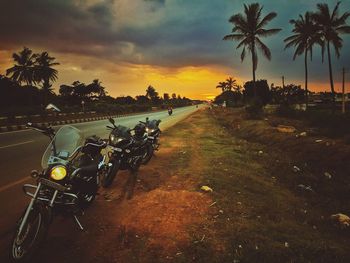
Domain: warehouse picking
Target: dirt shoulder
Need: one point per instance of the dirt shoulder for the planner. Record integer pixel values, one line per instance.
(252, 215)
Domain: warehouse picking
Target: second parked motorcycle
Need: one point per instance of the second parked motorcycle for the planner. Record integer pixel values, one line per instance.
(153, 131)
(127, 150)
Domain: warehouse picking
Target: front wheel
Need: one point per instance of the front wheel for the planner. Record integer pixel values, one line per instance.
(110, 174)
(26, 243)
(148, 154)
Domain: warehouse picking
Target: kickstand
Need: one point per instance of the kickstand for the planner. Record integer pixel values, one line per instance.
(78, 222)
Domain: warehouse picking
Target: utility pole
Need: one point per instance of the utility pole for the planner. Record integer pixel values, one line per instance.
(283, 81)
(343, 91)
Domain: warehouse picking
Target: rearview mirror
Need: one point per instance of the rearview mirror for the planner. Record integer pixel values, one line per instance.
(111, 121)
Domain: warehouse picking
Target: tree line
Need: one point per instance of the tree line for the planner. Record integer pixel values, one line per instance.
(28, 88)
(321, 27)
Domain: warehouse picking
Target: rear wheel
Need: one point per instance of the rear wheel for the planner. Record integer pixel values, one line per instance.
(110, 174)
(26, 243)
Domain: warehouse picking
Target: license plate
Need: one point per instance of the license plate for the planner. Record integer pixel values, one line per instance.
(53, 185)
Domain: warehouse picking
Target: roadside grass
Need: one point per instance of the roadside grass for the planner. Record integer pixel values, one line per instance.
(256, 217)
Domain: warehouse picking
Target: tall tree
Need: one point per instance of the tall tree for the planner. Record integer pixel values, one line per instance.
(231, 83)
(23, 70)
(305, 35)
(222, 85)
(152, 94)
(45, 73)
(332, 24)
(248, 29)
(96, 89)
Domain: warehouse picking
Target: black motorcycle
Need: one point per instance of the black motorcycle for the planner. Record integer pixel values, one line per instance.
(153, 131)
(128, 150)
(170, 111)
(67, 184)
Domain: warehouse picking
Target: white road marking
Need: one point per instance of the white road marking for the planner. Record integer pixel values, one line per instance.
(15, 144)
(5, 187)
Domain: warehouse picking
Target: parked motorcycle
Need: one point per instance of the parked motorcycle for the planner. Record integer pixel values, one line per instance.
(67, 185)
(127, 150)
(153, 131)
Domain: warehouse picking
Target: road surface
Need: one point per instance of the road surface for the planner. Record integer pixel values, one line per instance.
(21, 151)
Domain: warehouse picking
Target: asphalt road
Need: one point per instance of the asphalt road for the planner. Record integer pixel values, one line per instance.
(21, 151)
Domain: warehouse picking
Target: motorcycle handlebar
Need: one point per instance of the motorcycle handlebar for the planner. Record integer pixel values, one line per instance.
(45, 130)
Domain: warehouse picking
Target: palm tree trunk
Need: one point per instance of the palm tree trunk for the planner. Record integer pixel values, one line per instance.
(253, 60)
(331, 76)
(306, 76)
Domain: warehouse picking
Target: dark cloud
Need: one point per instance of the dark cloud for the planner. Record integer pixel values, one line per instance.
(156, 32)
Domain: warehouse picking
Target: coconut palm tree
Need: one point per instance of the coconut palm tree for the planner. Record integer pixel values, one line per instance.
(332, 24)
(45, 73)
(96, 88)
(23, 70)
(231, 83)
(305, 35)
(222, 85)
(248, 29)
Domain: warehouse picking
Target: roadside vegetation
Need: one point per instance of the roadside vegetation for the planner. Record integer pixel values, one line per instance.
(323, 28)
(28, 88)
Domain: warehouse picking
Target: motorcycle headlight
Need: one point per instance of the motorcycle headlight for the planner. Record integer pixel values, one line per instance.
(115, 139)
(58, 173)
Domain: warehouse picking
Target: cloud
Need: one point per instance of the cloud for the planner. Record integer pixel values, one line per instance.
(167, 34)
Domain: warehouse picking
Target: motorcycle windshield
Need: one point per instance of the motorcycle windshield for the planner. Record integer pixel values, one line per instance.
(65, 142)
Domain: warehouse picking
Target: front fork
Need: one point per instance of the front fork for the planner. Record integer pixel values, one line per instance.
(29, 208)
(155, 144)
(51, 203)
(31, 204)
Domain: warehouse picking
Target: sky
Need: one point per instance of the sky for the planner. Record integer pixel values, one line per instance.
(174, 45)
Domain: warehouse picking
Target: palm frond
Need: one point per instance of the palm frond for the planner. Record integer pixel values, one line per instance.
(267, 32)
(233, 37)
(343, 29)
(266, 19)
(266, 51)
(243, 54)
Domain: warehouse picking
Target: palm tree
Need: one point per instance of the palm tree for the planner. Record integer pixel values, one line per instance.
(331, 24)
(96, 88)
(222, 85)
(45, 73)
(23, 70)
(247, 29)
(231, 83)
(306, 35)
